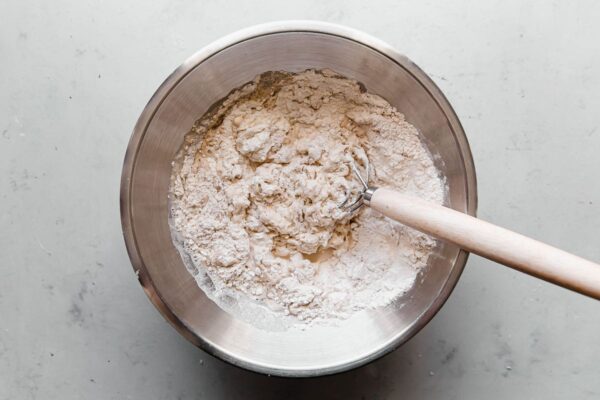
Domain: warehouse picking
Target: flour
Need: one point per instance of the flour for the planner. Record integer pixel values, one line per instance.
(255, 192)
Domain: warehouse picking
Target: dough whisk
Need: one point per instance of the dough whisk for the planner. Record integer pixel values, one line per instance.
(480, 237)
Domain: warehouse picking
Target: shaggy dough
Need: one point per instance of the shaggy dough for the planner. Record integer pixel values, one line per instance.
(256, 187)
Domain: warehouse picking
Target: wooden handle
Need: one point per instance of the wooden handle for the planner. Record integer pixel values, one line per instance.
(491, 241)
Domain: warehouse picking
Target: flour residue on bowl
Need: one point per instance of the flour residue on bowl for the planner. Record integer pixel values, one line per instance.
(255, 191)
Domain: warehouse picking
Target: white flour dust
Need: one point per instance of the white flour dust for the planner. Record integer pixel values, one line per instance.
(255, 191)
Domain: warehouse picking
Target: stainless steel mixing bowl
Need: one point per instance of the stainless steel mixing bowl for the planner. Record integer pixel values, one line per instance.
(187, 94)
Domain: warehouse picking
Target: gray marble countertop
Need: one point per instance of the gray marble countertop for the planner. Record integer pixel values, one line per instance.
(74, 76)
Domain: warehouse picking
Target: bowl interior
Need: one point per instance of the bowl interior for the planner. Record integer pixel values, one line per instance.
(186, 97)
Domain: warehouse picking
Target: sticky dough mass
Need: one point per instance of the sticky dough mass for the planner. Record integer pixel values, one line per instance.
(256, 187)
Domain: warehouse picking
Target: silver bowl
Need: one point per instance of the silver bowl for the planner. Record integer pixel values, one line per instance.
(187, 94)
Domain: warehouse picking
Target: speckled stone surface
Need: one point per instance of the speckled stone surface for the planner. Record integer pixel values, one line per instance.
(74, 76)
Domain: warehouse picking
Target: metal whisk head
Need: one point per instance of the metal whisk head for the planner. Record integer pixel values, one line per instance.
(363, 196)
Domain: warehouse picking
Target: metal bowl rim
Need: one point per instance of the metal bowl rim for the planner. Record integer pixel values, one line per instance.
(212, 49)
